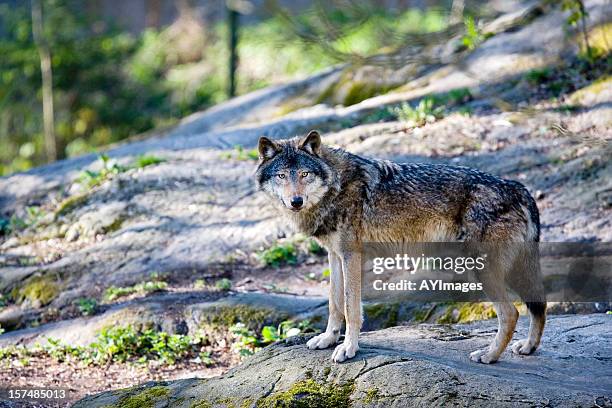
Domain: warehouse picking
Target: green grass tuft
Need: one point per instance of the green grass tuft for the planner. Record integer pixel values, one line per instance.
(279, 254)
(113, 292)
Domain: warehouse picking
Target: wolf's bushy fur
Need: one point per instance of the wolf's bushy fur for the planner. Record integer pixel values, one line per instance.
(350, 199)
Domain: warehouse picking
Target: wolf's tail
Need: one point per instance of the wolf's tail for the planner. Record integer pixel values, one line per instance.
(532, 214)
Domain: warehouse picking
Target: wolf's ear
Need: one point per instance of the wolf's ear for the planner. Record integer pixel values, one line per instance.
(267, 148)
(311, 143)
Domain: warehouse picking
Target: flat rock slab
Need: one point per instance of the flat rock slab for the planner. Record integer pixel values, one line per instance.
(172, 313)
(423, 365)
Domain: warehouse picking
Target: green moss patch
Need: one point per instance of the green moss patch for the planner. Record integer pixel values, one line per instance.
(71, 203)
(467, 312)
(145, 399)
(371, 395)
(254, 318)
(382, 315)
(310, 394)
(40, 290)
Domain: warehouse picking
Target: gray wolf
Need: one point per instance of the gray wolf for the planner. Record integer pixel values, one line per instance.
(343, 200)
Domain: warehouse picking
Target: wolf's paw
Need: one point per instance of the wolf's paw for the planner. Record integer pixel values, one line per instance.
(483, 356)
(523, 347)
(322, 341)
(345, 351)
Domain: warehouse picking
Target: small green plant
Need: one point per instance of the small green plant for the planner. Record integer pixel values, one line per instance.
(324, 275)
(125, 343)
(113, 292)
(147, 160)
(279, 254)
(247, 342)
(426, 111)
(456, 96)
(15, 223)
(34, 214)
(110, 168)
(239, 153)
(473, 35)
(199, 284)
(538, 76)
(1, 330)
(314, 247)
(224, 284)
(205, 358)
(120, 344)
(87, 306)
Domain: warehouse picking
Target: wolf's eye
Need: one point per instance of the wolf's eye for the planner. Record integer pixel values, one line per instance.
(280, 176)
(305, 174)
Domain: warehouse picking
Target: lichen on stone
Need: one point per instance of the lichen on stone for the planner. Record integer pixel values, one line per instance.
(465, 312)
(387, 313)
(70, 203)
(254, 318)
(39, 291)
(144, 399)
(372, 395)
(310, 394)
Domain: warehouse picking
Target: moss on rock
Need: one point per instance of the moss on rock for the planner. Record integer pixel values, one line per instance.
(200, 404)
(310, 394)
(465, 312)
(254, 318)
(385, 315)
(70, 203)
(39, 290)
(371, 395)
(144, 399)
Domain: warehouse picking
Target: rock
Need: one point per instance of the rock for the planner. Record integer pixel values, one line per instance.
(173, 313)
(187, 218)
(99, 219)
(424, 365)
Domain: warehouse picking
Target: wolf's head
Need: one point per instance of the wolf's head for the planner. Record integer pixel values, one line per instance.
(293, 171)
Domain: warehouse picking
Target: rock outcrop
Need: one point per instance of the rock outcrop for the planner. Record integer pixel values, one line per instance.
(195, 215)
(424, 365)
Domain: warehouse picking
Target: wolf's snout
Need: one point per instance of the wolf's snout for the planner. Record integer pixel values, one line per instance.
(297, 202)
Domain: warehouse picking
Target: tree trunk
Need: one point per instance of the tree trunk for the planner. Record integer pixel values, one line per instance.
(232, 16)
(47, 80)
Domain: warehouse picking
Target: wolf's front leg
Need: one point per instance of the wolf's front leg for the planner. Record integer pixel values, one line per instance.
(336, 307)
(351, 266)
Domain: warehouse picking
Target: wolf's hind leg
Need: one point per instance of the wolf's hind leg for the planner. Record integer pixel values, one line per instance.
(537, 313)
(336, 307)
(507, 316)
(493, 285)
(527, 283)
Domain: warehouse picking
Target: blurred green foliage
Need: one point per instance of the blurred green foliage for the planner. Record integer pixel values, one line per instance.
(109, 84)
(98, 98)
